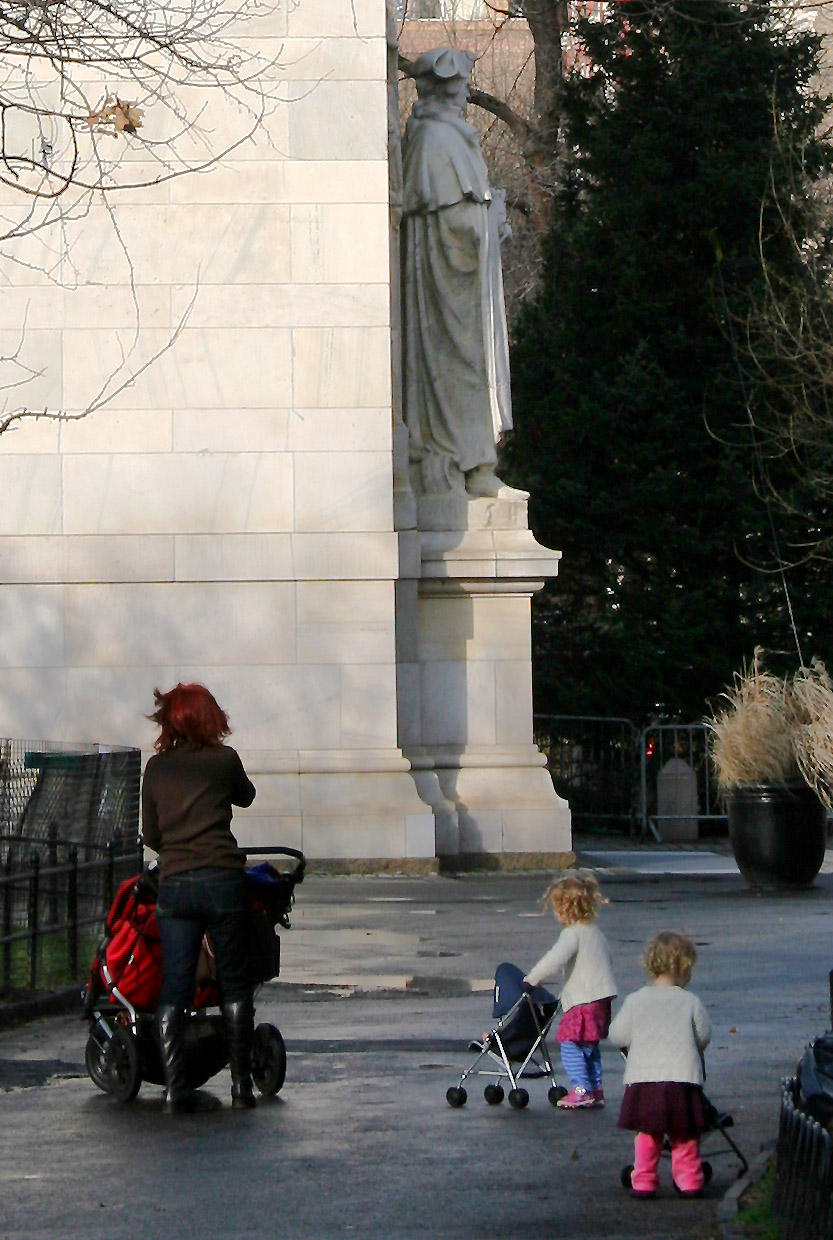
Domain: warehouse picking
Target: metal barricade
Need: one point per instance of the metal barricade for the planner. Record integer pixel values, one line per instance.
(657, 782)
(678, 790)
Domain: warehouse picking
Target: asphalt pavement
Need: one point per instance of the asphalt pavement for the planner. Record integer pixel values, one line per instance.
(384, 982)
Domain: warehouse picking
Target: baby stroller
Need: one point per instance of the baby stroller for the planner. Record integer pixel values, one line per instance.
(125, 977)
(519, 1037)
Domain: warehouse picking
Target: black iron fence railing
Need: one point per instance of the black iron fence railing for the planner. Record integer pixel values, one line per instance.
(48, 910)
(594, 764)
(801, 1198)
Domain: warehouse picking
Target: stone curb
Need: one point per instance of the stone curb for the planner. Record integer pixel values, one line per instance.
(56, 1004)
(730, 1203)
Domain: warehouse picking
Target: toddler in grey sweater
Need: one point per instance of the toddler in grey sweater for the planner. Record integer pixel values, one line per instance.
(665, 1029)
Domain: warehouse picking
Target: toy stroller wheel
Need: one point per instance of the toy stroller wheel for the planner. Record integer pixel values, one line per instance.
(555, 1093)
(268, 1060)
(625, 1176)
(493, 1095)
(708, 1172)
(456, 1096)
(95, 1063)
(121, 1065)
(518, 1098)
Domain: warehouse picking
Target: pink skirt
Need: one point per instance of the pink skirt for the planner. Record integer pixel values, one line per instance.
(675, 1107)
(586, 1022)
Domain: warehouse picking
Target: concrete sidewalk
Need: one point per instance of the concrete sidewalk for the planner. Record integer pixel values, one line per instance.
(384, 981)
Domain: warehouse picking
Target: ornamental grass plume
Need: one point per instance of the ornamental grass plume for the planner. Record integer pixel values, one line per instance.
(812, 728)
(776, 729)
(751, 738)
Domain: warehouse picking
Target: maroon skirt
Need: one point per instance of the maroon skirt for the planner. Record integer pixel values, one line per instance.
(671, 1107)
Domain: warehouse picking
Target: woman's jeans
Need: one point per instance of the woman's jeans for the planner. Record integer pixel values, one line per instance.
(189, 904)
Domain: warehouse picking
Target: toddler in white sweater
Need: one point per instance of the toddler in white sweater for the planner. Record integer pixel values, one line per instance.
(665, 1030)
(589, 985)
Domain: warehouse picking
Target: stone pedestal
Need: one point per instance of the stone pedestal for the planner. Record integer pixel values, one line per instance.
(465, 683)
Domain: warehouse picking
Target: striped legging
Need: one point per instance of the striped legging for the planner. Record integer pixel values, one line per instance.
(582, 1063)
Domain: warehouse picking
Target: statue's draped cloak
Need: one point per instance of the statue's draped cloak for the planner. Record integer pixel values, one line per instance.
(456, 377)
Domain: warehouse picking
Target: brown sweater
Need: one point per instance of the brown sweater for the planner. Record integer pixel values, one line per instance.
(187, 795)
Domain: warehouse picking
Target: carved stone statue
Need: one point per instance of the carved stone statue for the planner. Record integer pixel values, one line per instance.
(456, 364)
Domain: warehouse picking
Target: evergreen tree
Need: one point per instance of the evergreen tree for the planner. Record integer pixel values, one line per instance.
(632, 431)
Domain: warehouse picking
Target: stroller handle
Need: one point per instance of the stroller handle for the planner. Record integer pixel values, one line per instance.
(256, 850)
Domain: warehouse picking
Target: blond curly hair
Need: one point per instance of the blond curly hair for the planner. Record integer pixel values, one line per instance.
(575, 896)
(672, 953)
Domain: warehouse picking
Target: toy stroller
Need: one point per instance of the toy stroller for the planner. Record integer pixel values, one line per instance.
(519, 1037)
(715, 1122)
(126, 975)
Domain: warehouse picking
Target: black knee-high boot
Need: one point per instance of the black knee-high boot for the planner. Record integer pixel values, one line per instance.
(170, 1026)
(239, 1020)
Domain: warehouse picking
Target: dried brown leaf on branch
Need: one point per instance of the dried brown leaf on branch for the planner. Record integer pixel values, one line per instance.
(115, 116)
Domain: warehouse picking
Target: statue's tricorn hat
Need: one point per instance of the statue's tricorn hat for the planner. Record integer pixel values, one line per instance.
(444, 63)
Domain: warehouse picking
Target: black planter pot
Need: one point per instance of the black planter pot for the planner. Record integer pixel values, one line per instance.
(778, 833)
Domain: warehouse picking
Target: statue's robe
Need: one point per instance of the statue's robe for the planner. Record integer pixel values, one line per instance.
(456, 366)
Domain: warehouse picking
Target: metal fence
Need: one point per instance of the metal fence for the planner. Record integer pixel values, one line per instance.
(801, 1198)
(594, 764)
(678, 788)
(69, 825)
(51, 905)
(653, 782)
(54, 795)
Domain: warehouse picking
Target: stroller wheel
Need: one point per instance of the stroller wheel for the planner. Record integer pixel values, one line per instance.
(555, 1093)
(518, 1098)
(625, 1176)
(94, 1062)
(121, 1066)
(268, 1060)
(493, 1095)
(456, 1096)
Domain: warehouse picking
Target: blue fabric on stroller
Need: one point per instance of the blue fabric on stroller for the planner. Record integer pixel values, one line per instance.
(521, 1032)
(509, 986)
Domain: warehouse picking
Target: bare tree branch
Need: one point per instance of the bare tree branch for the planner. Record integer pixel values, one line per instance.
(98, 98)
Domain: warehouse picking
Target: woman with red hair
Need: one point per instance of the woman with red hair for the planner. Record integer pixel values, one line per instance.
(189, 787)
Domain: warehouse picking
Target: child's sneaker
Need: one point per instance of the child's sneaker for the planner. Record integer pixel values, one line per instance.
(598, 1096)
(577, 1097)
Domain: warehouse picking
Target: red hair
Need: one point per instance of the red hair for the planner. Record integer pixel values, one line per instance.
(188, 714)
